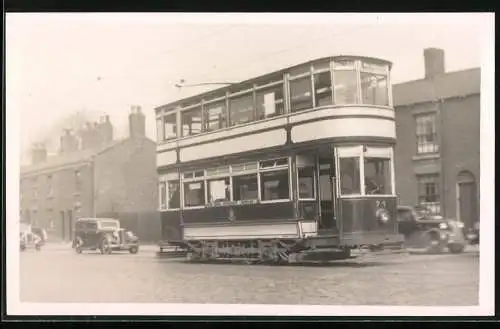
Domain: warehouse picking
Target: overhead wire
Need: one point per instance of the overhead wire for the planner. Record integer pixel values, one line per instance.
(271, 55)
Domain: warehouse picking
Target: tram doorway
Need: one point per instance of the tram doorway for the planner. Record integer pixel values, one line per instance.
(326, 193)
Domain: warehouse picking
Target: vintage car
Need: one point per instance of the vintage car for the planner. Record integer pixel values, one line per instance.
(103, 234)
(28, 239)
(434, 233)
(473, 234)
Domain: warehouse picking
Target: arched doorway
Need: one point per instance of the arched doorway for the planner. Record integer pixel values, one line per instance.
(467, 199)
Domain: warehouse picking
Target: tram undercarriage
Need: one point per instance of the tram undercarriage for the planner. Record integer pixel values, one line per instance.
(278, 251)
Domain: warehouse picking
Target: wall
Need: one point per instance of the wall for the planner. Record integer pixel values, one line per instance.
(126, 185)
(461, 145)
(63, 198)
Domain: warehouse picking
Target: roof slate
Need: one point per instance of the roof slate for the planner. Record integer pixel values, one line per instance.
(452, 84)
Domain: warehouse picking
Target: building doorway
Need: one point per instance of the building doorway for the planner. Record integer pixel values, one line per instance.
(467, 199)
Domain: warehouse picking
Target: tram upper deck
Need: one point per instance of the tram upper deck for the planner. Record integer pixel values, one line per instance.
(339, 99)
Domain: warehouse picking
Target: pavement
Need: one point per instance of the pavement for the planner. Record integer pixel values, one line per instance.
(58, 274)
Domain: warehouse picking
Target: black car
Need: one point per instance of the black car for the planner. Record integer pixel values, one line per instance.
(103, 234)
(422, 229)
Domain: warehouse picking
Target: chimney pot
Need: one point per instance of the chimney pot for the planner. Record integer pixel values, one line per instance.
(434, 62)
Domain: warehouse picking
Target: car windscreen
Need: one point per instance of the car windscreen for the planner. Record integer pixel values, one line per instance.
(404, 215)
(108, 224)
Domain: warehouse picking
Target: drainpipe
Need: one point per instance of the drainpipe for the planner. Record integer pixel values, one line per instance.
(442, 175)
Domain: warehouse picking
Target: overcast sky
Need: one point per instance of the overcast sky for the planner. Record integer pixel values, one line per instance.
(61, 63)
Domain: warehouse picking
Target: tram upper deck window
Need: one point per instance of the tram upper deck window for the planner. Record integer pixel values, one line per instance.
(300, 89)
(374, 87)
(322, 84)
(215, 115)
(241, 108)
(270, 100)
(349, 175)
(191, 121)
(170, 126)
(377, 175)
(345, 79)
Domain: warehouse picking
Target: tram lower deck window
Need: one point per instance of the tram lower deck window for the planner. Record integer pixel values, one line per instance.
(378, 176)
(275, 185)
(245, 187)
(174, 194)
(194, 194)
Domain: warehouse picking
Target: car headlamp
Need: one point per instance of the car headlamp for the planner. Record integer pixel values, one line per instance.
(460, 225)
(443, 226)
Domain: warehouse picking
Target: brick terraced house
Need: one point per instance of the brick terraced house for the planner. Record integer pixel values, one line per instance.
(93, 175)
(438, 139)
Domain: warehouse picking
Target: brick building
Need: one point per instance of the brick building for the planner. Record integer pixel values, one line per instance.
(93, 175)
(438, 139)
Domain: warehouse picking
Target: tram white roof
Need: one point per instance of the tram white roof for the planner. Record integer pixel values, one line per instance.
(266, 76)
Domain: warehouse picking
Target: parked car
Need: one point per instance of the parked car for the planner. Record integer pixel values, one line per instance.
(473, 234)
(42, 234)
(103, 234)
(422, 229)
(28, 239)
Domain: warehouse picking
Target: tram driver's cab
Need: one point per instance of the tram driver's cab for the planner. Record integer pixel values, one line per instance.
(355, 185)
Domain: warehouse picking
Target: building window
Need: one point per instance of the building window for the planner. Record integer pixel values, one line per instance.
(215, 115)
(50, 187)
(270, 101)
(191, 121)
(427, 138)
(346, 83)
(241, 109)
(378, 176)
(78, 180)
(428, 192)
(349, 175)
(170, 127)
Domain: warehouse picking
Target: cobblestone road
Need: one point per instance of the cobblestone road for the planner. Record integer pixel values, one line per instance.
(60, 275)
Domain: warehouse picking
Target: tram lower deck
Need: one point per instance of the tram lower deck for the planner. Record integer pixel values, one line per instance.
(299, 204)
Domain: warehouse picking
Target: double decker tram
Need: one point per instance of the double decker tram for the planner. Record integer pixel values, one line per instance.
(294, 165)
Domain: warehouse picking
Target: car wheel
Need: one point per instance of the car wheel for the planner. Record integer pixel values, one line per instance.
(134, 250)
(456, 248)
(433, 244)
(22, 247)
(78, 245)
(105, 246)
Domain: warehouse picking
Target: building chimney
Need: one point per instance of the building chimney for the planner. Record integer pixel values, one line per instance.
(69, 142)
(434, 62)
(137, 122)
(38, 153)
(105, 129)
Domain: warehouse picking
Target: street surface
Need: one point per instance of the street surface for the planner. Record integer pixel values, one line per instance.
(58, 274)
